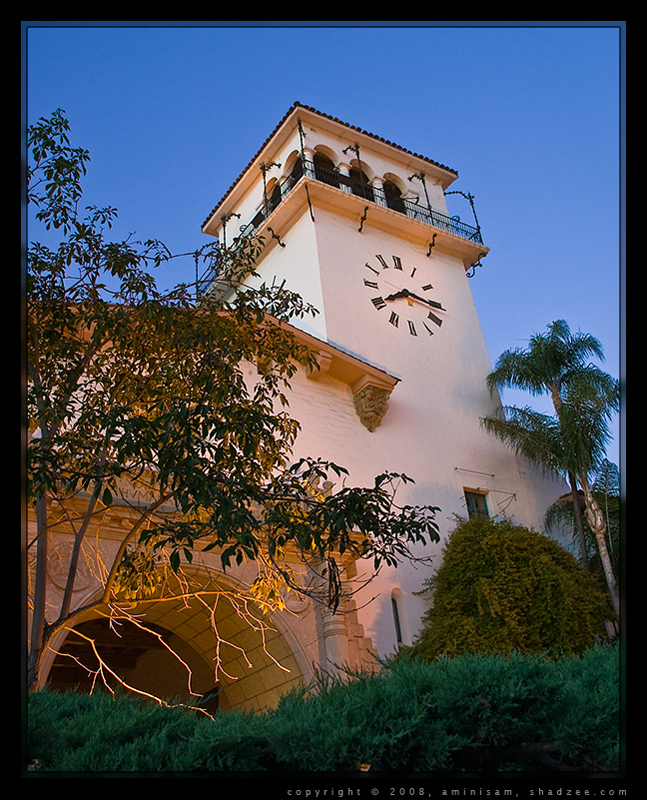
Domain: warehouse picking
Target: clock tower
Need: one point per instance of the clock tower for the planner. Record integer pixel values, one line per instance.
(358, 226)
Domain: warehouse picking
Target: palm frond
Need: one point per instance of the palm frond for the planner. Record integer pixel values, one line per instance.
(528, 433)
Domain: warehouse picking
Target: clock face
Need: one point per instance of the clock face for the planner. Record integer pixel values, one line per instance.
(403, 296)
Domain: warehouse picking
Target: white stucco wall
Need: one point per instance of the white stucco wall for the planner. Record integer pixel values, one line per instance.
(432, 429)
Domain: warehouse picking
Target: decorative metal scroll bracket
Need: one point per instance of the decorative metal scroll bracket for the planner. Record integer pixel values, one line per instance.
(312, 216)
(265, 167)
(421, 177)
(363, 219)
(476, 264)
(225, 219)
(355, 149)
(432, 244)
(276, 236)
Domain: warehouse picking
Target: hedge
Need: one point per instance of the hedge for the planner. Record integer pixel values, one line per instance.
(473, 712)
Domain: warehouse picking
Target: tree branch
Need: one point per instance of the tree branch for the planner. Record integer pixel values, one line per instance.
(124, 544)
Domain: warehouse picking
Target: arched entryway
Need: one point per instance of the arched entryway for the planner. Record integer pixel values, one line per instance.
(150, 658)
(173, 651)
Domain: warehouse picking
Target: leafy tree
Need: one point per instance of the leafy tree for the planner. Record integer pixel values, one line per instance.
(503, 588)
(572, 442)
(181, 402)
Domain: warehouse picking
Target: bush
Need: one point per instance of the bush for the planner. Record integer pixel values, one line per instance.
(474, 712)
(503, 588)
(73, 732)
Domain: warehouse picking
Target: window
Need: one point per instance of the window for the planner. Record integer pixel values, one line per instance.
(396, 620)
(476, 504)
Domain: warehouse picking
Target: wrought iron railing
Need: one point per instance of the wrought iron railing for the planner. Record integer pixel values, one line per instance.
(442, 221)
(429, 216)
(409, 208)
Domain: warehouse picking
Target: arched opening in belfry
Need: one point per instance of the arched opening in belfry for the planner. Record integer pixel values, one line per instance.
(360, 184)
(294, 172)
(274, 195)
(325, 169)
(393, 195)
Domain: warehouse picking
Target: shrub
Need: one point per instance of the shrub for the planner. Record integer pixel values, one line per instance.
(382, 719)
(468, 713)
(74, 732)
(504, 588)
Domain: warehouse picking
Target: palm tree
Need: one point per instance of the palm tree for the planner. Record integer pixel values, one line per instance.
(606, 489)
(571, 443)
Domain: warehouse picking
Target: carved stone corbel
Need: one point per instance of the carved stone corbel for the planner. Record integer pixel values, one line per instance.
(371, 403)
(371, 387)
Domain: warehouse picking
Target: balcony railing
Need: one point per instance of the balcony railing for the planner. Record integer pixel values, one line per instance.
(411, 209)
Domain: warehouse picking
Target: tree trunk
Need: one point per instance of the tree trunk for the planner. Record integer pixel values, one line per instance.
(39, 623)
(579, 523)
(595, 518)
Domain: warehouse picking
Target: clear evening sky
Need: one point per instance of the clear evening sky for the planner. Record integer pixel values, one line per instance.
(529, 114)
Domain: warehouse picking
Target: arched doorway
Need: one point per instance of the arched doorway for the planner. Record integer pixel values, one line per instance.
(174, 649)
(150, 658)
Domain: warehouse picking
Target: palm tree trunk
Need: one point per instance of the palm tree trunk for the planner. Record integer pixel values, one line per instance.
(595, 518)
(579, 523)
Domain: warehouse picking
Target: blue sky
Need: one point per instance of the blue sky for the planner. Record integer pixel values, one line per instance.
(529, 114)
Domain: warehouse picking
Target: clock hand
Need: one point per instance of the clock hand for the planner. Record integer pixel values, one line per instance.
(407, 293)
(431, 303)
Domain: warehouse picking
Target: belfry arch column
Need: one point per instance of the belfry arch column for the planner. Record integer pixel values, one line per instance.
(308, 162)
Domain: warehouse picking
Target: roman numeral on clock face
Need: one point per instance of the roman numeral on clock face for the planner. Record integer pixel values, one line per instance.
(412, 328)
(382, 261)
(378, 302)
(372, 284)
(394, 319)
